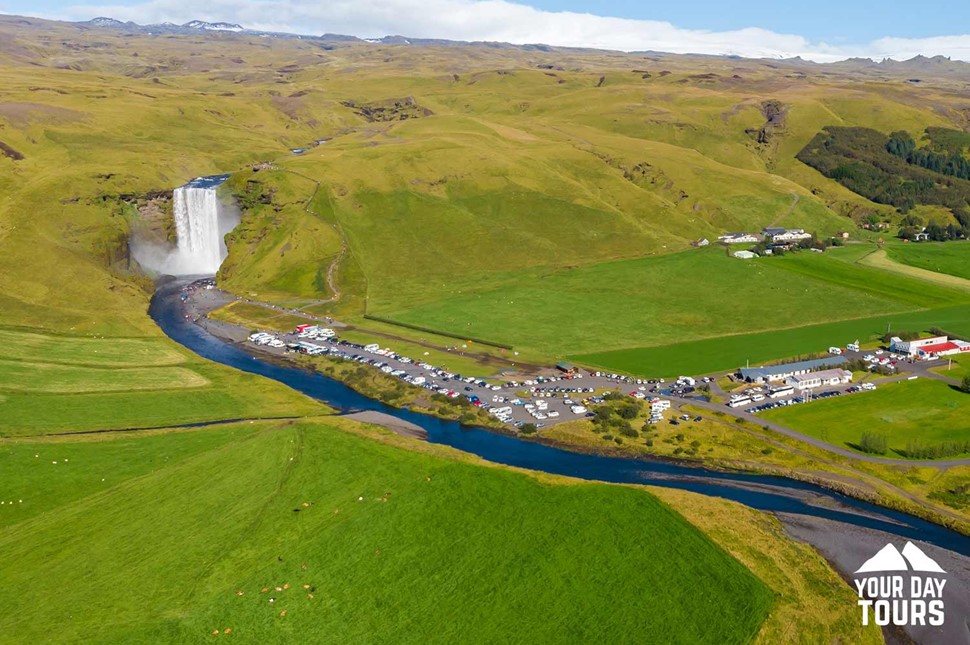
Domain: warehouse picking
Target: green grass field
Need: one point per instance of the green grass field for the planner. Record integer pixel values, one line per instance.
(38, 377)
(730, 352)
(653, 301)
(95, 352)
(952, 258)
(957, 368)
(70, 394)
(926, 411)
(139, 533)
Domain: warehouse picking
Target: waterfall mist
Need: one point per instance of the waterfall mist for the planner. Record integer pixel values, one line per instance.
(201, 225)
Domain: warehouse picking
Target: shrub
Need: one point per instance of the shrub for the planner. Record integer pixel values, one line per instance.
(628, 411)
(528, 428)
(873, 443)
(625, 429)
(965, 384)
(917, 449)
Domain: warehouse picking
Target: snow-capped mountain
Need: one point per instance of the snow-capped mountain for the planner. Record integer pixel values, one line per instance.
(102, 21)
(213, 26)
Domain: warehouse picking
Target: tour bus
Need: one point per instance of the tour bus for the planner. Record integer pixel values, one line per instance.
(779, 392)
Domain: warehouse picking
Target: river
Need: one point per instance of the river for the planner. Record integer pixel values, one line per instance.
(846, 531)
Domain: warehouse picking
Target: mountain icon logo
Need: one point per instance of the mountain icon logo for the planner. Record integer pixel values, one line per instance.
(889, 558)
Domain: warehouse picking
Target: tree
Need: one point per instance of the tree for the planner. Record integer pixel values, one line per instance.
(528, 428)
(911, 220)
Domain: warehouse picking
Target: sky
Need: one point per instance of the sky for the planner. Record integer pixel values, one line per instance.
(821, 30)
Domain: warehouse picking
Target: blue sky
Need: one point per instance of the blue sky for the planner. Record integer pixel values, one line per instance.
(819, 20)
(821, 30)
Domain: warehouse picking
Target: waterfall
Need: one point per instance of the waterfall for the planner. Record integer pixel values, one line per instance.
(201, 248)
(201, 225)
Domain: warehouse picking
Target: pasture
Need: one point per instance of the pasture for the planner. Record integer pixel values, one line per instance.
(733, 351)
(952, 258)
(313, 534)
(926, 411)
(646, 302)
(53, 384)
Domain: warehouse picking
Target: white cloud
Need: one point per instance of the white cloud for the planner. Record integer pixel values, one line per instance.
(498, 20)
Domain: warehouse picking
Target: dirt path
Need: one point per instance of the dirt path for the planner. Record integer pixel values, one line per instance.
(332, 269)
(795, 199)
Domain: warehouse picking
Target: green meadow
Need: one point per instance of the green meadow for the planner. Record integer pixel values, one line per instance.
(730, 352)
(305, 532)
(942, 257)
(49, 384)
(625, 308)
(923, 411)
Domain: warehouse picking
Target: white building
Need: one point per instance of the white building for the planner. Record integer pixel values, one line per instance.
(738, 238)
(825, 378)
(912, 347)
(745, 255)
(785, 234)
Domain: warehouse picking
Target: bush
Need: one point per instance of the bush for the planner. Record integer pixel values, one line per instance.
(917, 449)
(528, 428)
(873, 443)
(628, 411)
(625, 429)
(965, 384)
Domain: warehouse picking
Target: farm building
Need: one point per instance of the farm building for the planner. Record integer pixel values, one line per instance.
(928, 347)
(785, 370)
(776, 234)
(819, 379)
(745, 255)
(738, 238)
(568, 368)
